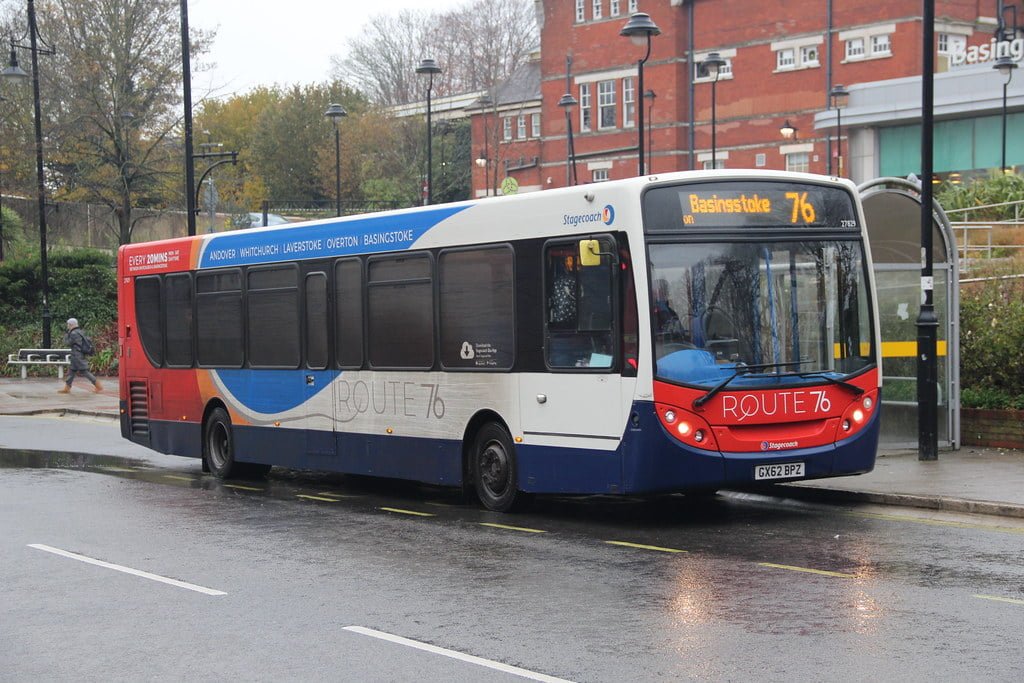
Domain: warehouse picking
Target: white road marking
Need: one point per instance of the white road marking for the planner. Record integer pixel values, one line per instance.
(126, 570)
(507, 668)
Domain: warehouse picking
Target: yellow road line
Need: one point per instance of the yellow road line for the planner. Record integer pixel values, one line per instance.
(938, 522)
(1012, 601)
(320, 498)
(513, 528)
(641, 546)
(174, 476)
(113, 468)
(807, 570)
(239, 486)
(407, 512)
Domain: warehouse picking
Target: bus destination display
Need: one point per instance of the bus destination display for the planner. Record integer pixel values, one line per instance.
(738, 204)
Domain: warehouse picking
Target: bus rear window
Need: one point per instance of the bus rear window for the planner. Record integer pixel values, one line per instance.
(149, 317)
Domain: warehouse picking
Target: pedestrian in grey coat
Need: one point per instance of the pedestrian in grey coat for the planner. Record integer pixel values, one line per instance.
(75, 340)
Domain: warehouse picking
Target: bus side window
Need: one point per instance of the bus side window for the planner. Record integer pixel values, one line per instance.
(578, 309)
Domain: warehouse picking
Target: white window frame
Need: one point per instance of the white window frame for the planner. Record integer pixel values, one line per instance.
(954, 43)
(806, 60)
(785, 59)
(719, 164)
(798, 162)
(521, 127)
(506, 128)
(880, 48)
(856, 48)
(760, 160)
(535, 125)
(581, 11)
(633, 6)
(614, 8)
(724, 73)
(586, 110)
(596, 5)
(599, 175)
(628, 102)
(606, 101)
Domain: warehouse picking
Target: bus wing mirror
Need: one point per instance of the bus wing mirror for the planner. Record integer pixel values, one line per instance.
(590, 253)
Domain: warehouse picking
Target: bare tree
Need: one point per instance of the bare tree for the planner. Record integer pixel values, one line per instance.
(478, 45)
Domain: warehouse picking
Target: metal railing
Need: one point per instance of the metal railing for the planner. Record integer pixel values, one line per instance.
(976, 237)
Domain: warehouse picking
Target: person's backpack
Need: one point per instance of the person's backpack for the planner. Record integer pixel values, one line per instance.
(86, 345)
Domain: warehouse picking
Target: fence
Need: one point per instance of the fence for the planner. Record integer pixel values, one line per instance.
(985, 239)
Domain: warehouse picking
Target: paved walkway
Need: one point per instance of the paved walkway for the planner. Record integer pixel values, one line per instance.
(981, 480)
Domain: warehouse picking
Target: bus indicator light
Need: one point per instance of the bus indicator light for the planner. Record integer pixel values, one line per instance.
(670, 416)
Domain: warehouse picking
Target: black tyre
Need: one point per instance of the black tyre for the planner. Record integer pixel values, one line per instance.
(494, 470)
(219, 450)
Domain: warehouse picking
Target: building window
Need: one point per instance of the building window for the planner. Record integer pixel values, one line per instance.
(951, 43)
(581, 10)
(597, 9)
(633, 6)
(760, 160)
(785, 59)
(585, 105)
(521, 127)
(599, 175)
(613, 8)
(799, 162)
(700, 74)
(880, 45)
(628, 103)
(506, 129)
(719, 163)
(606, 104)
(809, 55)
(855, 48)
(535, 125)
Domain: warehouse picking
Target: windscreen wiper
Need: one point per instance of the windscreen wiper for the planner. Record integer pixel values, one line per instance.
(741, 370)
(846, 385)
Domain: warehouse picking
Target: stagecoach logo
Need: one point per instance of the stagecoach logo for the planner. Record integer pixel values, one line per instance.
(778, 445)
(605, 215)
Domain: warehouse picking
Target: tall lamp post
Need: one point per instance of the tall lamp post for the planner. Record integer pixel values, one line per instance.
(484, 103)
(335, 112)
(650, 96)
(712, 66)
(639, 29)
(1005, 65)
(430, 68)
(15, 73)
(839, 96)
(567, 103)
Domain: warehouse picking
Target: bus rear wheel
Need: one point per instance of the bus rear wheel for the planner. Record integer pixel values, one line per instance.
(494, 470)
(219, 449)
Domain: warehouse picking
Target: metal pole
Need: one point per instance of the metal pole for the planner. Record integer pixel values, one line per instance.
(1002, 169)
(40, 173)
(714, 161)
(186, 74)
(839, 139)
(640, 101)
(430, 148)
(927, 322)
(337, 169)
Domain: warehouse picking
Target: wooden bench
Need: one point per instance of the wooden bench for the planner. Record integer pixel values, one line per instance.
(27, 357)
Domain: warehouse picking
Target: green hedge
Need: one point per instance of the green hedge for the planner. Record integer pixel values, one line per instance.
(992, 344)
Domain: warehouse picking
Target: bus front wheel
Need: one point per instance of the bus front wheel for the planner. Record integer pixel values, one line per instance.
(494, 470)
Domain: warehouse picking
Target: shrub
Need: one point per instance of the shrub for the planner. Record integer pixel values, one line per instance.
(991, 340)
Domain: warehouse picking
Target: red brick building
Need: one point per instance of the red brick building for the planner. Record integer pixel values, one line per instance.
(782, 58)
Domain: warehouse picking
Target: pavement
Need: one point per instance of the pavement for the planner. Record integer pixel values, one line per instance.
(969, 480)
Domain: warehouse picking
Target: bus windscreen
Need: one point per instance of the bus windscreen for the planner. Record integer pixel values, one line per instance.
(744, 204)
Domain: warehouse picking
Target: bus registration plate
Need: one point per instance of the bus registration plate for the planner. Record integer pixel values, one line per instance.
(782, 470)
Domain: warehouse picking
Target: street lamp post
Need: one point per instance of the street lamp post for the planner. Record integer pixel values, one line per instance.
(484, 104)
(335, 112)
(1005, 65)
(712, 66)
(840, 96)
(16, 73)
(186, 92)
(650, 96)
(639, 29)
(429, 67)
(567, 103)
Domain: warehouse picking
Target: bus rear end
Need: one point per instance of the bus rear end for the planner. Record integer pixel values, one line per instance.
(764, 335)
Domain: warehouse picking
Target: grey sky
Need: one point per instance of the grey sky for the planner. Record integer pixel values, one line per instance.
(263, 42)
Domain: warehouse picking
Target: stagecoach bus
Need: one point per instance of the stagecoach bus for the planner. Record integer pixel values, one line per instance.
(674, 333)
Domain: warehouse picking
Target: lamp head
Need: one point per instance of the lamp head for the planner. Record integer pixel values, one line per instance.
(428, 66)
(13, 72)
(567, 101)
(335, 112)
(788, 130)
(1005, 65)
(840, 96)
(712, 65)
(640, 28)
(649, 95)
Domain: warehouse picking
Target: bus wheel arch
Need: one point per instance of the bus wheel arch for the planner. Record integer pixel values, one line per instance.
(219, 446)
(490, 466)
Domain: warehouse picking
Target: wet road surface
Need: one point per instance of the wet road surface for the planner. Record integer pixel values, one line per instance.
(317, 570)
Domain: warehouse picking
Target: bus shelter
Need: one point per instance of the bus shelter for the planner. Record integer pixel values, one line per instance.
(892, 210)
